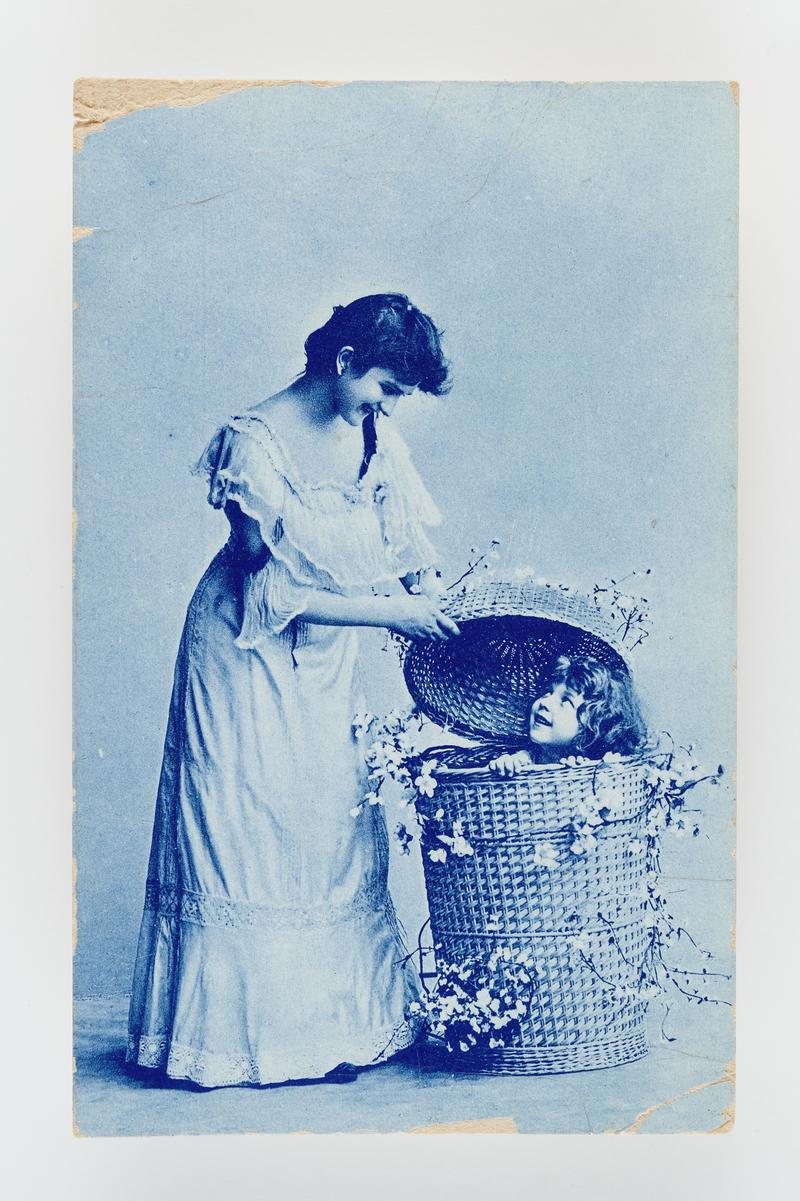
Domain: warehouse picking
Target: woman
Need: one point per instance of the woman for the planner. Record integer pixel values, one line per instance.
(269, 950)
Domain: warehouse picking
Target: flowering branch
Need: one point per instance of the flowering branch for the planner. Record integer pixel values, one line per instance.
(476, 561)
(481, 1001)
(628, 613)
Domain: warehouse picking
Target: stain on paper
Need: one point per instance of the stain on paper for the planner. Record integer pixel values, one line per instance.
(475, 1126)
(728, 1077)
(98, 101)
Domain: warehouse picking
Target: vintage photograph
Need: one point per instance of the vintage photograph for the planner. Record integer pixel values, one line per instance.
(405, 598)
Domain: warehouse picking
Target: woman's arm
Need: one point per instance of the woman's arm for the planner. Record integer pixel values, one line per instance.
(414, 616)
(246, 532)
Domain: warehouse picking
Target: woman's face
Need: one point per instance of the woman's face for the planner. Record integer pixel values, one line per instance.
(554, 718)
(377, 390)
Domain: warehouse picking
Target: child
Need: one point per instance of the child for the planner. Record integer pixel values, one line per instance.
(588, 709)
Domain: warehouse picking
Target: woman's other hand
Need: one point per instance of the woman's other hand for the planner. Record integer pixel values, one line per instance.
(509, 765)
(421, 617)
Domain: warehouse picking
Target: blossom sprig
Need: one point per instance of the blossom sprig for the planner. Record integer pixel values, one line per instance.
(363, 723)
(670, 774)
(392, 755)
(669, 778)
(456, 843)
(389, 753)
(478, 562)
(664, 936)
(602, 806)
(652, 974)
(628, 612)
(480, 1001)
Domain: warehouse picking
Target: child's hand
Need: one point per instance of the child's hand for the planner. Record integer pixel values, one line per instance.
(509, 765)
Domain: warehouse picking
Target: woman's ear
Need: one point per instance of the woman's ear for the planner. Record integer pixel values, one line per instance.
(344, 359)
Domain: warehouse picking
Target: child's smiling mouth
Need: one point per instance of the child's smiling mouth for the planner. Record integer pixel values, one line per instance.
(541, 720)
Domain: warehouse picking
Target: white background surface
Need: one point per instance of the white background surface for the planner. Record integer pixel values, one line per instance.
(47, 45)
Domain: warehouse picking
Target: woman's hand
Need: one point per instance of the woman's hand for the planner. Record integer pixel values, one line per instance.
(509, 765)
(420, 617)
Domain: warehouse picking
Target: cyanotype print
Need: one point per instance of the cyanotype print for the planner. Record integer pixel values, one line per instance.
(405, 458)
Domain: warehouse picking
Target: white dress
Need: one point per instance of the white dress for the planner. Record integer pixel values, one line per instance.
(269, 948)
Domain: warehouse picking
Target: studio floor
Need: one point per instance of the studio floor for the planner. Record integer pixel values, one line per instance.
(678, 1087)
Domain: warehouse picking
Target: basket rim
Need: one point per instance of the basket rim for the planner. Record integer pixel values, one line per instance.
(558, 770)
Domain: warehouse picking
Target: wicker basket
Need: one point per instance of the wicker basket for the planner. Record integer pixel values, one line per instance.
(482, 684)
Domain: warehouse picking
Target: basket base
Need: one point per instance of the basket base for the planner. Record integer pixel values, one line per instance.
(536, 1061)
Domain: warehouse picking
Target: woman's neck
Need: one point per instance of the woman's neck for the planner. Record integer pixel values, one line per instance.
(315, 398)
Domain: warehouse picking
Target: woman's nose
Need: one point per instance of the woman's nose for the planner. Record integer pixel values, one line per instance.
(387, 406)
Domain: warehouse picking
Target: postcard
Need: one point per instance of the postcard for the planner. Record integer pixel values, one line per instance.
(405, 494)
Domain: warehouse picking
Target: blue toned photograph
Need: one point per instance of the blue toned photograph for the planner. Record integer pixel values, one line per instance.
(405, 491)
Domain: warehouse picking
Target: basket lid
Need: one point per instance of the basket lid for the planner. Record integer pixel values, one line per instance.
(482, 683)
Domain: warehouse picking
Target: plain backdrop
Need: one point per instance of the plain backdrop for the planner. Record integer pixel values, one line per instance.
(49, 45)
(578, 245)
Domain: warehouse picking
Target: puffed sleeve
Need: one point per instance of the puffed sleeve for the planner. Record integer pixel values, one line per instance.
(235, 472)
(272, 600)
(239, 470)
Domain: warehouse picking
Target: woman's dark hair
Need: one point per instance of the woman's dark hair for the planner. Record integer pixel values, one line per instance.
(385, 330)
(610, 718)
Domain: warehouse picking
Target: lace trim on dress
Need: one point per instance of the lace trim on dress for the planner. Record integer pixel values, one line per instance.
(216, 1070)
(355, 492)
(301, 523)
(202, 909)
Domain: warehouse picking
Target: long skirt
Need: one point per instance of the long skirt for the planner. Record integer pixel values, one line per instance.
(269, 948)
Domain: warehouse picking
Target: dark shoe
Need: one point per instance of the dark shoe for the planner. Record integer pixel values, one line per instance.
(343, 1073)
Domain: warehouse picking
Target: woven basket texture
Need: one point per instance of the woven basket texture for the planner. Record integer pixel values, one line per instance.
(532, 1061)
(482, 683)
(500, 896)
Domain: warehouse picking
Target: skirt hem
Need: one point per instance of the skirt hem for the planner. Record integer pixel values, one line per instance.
(179, 1061)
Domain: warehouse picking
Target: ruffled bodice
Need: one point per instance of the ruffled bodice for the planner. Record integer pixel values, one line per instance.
(341, 538)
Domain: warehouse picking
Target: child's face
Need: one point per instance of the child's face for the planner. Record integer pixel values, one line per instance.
(554, 717)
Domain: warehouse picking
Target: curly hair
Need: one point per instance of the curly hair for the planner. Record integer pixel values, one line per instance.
(610, 717)
(384, 330)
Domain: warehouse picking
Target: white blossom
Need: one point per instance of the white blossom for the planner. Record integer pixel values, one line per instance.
(546, 855)
(362, 723)
(583, 842)
(581, 942)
